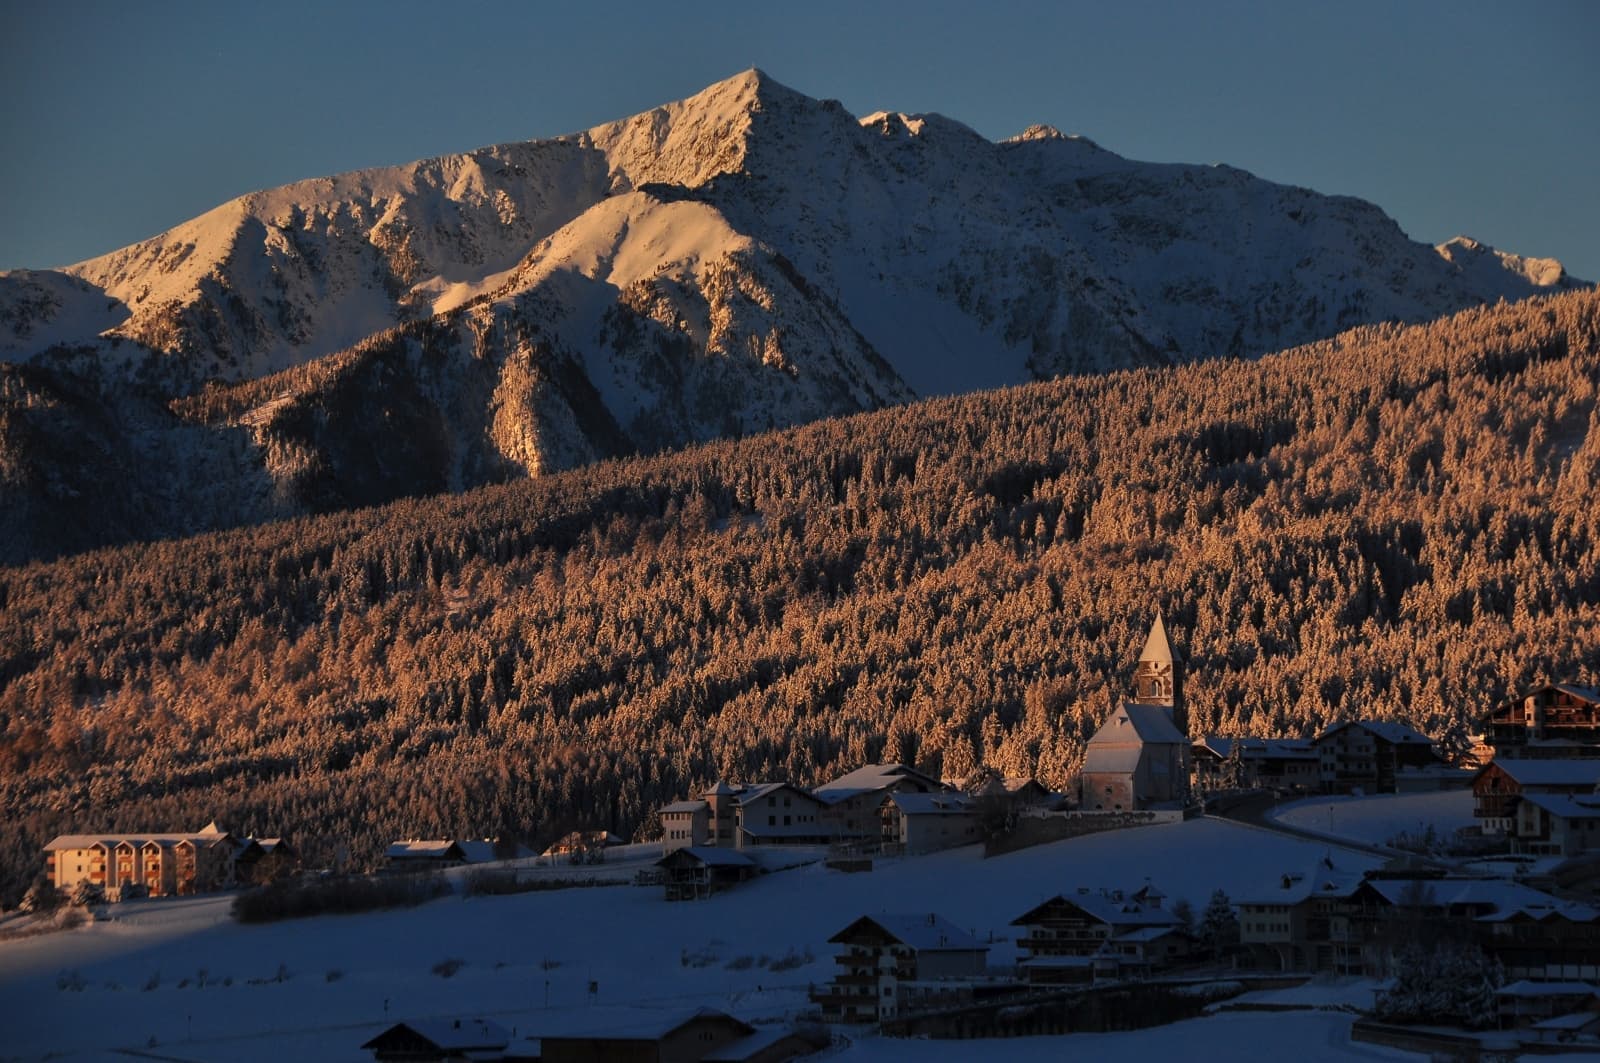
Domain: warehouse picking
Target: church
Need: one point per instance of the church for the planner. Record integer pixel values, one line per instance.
(1139, 759)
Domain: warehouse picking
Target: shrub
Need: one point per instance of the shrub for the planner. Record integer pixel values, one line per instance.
(447, 968)
(289, 900)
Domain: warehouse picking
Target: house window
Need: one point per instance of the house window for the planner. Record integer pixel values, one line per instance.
(772, 821)
(785, 821)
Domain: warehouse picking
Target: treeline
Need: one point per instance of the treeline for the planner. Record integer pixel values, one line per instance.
(1398, 522)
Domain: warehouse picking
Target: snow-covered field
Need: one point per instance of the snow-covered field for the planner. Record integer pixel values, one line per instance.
(1375, 820)
(183, 975)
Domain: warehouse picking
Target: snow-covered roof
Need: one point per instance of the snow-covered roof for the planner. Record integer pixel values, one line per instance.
(868, 779)
(712, 856)
(1322, 879)
(1498, 893)
(1261, 748)
(1575, 1021)
(756, 791)
(685, 806)
(934, 804)
(1589, 694)
(723, 789)
(747, 1047)
(138, 839)
(423, 849)
(1388, 730)
(1526, 988)
(456, 1035)
(1113, 907)
(1136, 722)
(1553, 772)
(1567, 806)
(1105, 758)
(923, 931)
(626, 1023)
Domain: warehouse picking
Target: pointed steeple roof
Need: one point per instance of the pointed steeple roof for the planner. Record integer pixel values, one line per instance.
(1157, 647)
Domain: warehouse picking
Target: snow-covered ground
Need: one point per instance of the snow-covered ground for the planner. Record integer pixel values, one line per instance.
(183, 974)
(1378, 819)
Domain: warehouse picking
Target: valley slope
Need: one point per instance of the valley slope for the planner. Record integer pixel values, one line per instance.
(1394, 523)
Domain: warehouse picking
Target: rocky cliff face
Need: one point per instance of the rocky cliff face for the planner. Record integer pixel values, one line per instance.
(744, 259)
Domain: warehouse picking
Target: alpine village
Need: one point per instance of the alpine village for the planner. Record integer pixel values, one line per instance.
(472, 695)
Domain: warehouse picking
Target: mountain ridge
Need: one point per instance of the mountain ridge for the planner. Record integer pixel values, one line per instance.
(742, 259)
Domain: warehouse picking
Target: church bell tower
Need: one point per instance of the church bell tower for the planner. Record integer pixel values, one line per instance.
(1158, 680)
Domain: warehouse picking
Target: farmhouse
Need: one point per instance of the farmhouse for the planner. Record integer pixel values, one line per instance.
(889, 960)
(1499, 787)
(1557, 719)
(924, 823)
(853, 803)
(1091, 935)
(1370, 755)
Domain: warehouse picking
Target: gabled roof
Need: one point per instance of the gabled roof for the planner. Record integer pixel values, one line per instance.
(1108, 759)
(1589, 694)
(1157, 647)
(1547, 772)
(756, 791)
(1133, 722)
(748, 1047)
(722, 789)
(685, 806)
(1526, 988)
(138, 839)
(871, 778)
(922, 931)
(710, 855)
(470, 851)
(1497, 894)
(1388, 730)
(629, 1024)
(1113, 907)
(1567, 806)
(934, 804)
(456, 1035)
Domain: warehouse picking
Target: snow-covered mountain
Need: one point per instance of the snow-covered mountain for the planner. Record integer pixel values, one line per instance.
(743, 259)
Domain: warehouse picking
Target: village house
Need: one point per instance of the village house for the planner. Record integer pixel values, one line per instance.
(685, 823)
(1304, 922)
(889, 961)
(1288, 764)
(923, 823)
(853, 803)
(1372, 755)
(1017, 793)
(1545, 939)
(1499, 787)
(439, 854)
(1139, 758)
(1557, 824)
(582, 847)
(1094, 935)
(162, 865)
(1554, 720)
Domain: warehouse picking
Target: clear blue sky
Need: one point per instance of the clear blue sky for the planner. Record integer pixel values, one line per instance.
(123, 119)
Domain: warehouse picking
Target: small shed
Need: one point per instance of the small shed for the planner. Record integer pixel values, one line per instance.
(697, 871)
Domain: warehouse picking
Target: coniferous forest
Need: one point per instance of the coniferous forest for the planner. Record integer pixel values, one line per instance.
(1397, 523)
